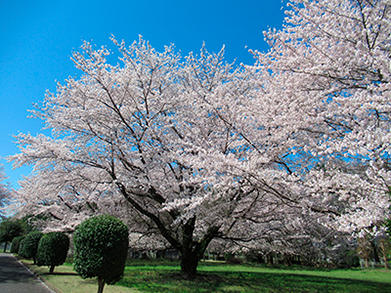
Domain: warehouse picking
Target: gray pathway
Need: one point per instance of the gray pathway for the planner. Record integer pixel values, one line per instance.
(15, 278)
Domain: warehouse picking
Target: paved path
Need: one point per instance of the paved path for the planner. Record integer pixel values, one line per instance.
(15, 278)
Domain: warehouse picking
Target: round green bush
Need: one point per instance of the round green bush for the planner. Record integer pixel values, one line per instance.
(16, 244)
(52, 250)
(21, 244)
(29, 245)
(101, 245)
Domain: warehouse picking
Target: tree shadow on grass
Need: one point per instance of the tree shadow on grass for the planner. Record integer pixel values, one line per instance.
(59, 274)
(246, 282)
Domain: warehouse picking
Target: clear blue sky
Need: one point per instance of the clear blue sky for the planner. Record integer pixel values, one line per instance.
(38, 37)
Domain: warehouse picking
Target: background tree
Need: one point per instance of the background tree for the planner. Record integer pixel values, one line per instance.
(52, 250)
(9, 229)
(5, 194)
(32, 222)
(101, 246)
(29, 245)
(330, 66)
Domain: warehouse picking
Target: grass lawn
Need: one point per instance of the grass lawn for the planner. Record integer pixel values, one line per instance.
(163, 276)
(65, 280)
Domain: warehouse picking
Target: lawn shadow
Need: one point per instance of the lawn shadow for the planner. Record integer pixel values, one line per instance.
(59, 274)
(169, 281)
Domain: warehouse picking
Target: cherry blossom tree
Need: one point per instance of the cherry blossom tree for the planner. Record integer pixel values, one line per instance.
(151, 141)
(138, 132)
(329, 70)
(192, 149)
(5, 194)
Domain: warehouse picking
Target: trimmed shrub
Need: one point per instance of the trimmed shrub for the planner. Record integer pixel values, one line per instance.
(101, 245)
(21, 244)
(29, 245)
(52, 250)
(16, 244)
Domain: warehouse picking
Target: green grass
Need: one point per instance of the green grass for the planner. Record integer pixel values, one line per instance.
(65, 280)
(164, 276)
(217, 277)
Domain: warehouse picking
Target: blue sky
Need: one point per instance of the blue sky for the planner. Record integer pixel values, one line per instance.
(38, 37)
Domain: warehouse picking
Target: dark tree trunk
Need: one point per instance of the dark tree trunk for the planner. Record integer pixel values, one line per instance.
(384, 252)
(189, 263)
(287, 259)
(269, 259)
(375, 252)
(34, 260)
(189, 251)
(51, 270)
(193, 251)
(385, 262)
(5, 246)
(101, 284)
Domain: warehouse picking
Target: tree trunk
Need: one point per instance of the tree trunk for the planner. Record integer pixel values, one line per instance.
(189, 251)
(5, 246)
(101, 284)
(375, 252)
(192, 251)
(385, 262)
(384, 253)
(51, 270)
(189, 263)
(269, 259)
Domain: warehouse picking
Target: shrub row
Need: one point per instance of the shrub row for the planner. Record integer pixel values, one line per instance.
(45, 249)
(101, 245)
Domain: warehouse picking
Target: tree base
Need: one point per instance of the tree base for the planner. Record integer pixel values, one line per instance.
(101, 284)
(189, 267)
